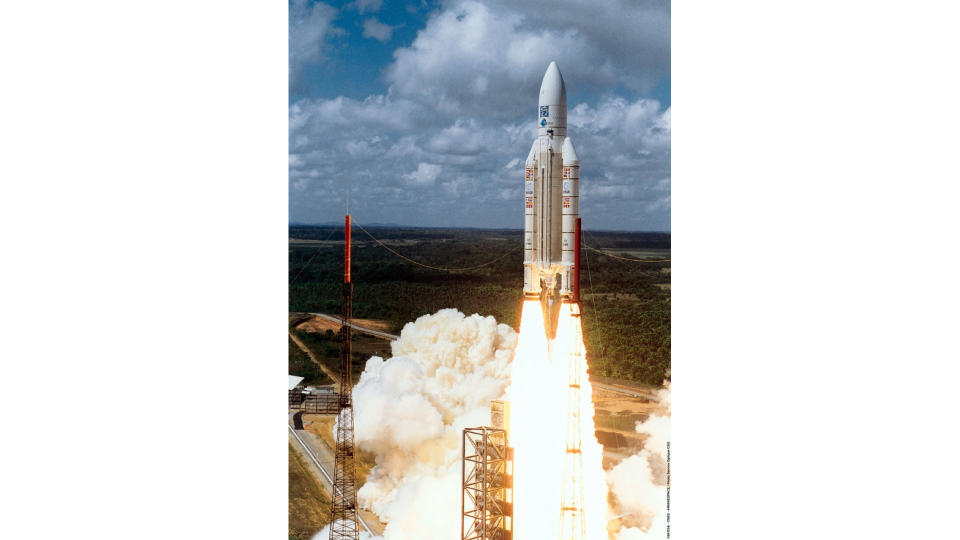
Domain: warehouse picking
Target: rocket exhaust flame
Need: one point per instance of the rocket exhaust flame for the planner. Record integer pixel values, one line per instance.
(572, 525)
(559, 486)
(536, 430)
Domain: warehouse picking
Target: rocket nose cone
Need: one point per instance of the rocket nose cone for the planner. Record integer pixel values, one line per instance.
(552, 89)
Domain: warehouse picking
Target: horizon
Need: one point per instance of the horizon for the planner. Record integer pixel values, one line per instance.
(377, 225)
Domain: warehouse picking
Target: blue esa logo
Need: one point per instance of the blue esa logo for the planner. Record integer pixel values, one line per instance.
(544, 111)
(543, 123)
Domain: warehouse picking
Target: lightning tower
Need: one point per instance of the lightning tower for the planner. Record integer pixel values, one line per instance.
(344, 503)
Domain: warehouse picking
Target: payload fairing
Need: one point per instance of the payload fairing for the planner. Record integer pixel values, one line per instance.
(551, 197)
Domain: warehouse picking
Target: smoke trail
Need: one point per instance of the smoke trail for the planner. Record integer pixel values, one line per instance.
(410, 412)
(639, 482)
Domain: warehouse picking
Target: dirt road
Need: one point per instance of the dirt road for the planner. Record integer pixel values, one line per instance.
(304, 348)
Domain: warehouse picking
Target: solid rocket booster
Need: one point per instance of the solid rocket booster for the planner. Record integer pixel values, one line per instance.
(551, 196)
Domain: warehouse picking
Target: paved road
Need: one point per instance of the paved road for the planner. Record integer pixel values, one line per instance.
(627, 391)
(321, 459)
(357, 327)
(612, 388)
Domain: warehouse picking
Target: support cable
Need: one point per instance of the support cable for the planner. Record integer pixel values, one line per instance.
(418, 263)
(593, 307)
(608, 254)
(335, 229)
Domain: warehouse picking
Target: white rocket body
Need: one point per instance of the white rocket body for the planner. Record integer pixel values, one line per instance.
(551, 196)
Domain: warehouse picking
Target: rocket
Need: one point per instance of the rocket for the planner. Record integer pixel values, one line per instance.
(551, 200)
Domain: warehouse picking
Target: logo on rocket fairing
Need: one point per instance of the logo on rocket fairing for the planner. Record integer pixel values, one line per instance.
(545, 111)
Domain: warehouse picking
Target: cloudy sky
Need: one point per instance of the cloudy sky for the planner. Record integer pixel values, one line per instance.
(425, 111)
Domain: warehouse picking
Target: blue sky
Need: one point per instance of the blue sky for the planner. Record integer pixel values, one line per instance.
(424, 111)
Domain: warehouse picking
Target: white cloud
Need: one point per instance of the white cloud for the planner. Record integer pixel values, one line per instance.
(374, 115)
(310, 25)
(632, 38)
(364, 6)
(461, 102)
(471, 59)
(485, 58)
(425, 175)
(511, 194)
(464, 137)
(459, 186)
(375, 29)
(385, 142)
(605, 191)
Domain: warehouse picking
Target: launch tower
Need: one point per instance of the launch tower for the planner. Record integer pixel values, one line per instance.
(344, 504)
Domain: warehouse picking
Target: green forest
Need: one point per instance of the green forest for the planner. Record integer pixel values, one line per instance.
(626, 304)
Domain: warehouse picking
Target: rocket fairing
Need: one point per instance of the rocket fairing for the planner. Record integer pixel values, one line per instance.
(551, 197)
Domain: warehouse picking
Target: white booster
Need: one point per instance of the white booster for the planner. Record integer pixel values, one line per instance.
(551, 194)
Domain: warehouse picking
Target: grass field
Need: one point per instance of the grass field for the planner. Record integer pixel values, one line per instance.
(298, 363)
(309, 506)
(626, 304)
(326, 347)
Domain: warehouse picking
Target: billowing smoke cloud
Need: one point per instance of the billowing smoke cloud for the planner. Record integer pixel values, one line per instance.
(324, 534)
(639, 482)
(411, 410)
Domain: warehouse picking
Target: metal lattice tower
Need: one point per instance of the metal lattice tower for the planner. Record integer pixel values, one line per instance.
(486, 502)
(572, 526)
(344, 502)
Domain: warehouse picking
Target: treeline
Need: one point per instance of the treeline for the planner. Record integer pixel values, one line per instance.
(628, 240)
(626, 304)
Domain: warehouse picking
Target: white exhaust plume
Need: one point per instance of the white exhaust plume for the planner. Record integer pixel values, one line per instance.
(324, 534)
(411, 410)
(639, 482)
(538, 412)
